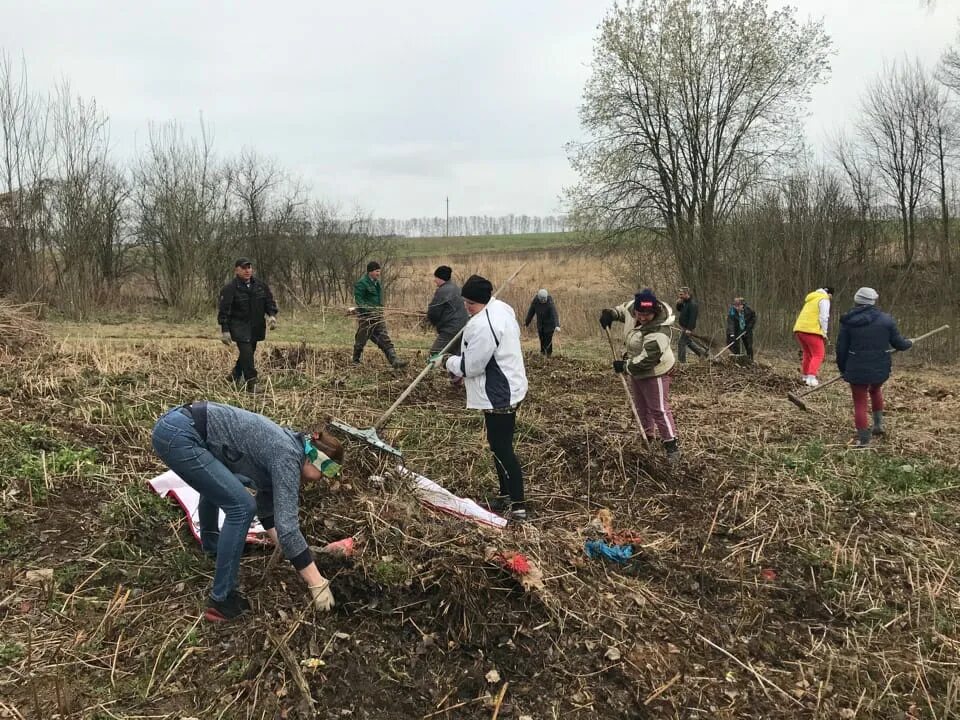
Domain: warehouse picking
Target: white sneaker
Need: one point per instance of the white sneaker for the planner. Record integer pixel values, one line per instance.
(813, 382)
(806, 379)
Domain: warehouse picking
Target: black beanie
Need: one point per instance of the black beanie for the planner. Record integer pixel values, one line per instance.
(478, 289)
(443, 272)
(373, 265)
(645, 301)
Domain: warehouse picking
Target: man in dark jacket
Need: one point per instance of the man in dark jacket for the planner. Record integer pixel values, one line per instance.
(368, 296)
(863, 357)
(687, 312)
(740, 322)
(446, 311)
(245, 310)
(548, 320)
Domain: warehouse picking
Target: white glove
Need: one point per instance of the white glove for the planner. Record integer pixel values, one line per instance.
(438, 361)
(558, 329)
(225, 338)
(322, 597)
(272, 322)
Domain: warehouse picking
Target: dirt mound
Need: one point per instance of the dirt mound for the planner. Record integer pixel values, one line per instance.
(19, 328)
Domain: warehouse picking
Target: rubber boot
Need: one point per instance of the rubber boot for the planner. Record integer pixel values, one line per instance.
(252, 386)
(878, 428)
(673, 451)
(863, 438)
(356, 357)
(395, 362)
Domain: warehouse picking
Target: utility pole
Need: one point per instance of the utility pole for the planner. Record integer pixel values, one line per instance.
(448, 216)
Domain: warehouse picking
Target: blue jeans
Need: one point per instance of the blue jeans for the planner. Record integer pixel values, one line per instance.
(179, 445)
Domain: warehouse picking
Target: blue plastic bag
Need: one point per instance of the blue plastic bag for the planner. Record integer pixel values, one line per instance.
(600, 548)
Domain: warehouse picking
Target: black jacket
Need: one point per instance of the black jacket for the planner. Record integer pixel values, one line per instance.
(733, 322)
(242, 308)
(446, 311)
(548, 320)
(687, 312)
(866, 334)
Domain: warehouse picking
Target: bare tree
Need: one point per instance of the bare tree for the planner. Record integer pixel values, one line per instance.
(897, 129)
(87, 234)
(688, 103)
(181, 198)
(862, 182)
(24, 158)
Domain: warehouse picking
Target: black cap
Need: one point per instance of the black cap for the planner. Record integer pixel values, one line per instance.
(444, 272)
(478, 289)
(242, 262)
(373, 265)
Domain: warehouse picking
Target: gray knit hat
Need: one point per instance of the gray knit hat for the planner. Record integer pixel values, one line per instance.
(542, 294)
(866, 296)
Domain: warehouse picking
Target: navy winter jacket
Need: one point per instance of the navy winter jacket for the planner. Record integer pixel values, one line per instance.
(866, 334)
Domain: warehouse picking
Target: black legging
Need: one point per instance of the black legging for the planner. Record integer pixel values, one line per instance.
(500, 429)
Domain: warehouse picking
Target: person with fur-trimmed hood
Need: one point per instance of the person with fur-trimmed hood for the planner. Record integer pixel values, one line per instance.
(648, 360)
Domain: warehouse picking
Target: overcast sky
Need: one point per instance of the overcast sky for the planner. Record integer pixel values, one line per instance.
(392, 106)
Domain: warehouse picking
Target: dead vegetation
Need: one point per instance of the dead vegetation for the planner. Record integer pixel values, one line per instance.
(776, 573)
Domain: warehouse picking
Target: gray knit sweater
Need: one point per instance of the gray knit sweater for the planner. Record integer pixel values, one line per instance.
(271, 457)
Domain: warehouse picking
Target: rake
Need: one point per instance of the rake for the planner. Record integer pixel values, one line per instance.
(371, 435)
(626, 389)
(798, 398)
(727, 347)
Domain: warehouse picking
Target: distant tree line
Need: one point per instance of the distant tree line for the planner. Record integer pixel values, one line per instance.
(465, 225)
(77, 227)
(695, 154)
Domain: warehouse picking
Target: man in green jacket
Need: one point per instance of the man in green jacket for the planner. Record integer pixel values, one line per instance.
(368, 296)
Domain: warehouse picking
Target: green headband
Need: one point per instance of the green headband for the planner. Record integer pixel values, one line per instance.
(320, 460)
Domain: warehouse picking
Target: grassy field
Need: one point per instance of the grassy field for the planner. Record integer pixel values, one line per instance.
(472, 245)
(777, 572)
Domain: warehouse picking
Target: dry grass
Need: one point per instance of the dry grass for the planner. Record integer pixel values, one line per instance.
(777, 574)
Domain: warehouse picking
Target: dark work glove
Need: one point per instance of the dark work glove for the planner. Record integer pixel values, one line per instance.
(619, 366)
(606, 318)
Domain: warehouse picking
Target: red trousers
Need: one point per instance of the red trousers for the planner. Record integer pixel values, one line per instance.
(813, 352)
(651, 398)
(860, 394)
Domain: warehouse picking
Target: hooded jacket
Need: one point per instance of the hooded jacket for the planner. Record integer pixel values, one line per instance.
(491, 359)
(866, 335)
(242, 307)
(548, 320)
(647, 348)
(445, 311)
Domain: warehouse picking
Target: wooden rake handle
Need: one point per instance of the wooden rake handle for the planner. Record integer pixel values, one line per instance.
(378, 425)
(626, 389)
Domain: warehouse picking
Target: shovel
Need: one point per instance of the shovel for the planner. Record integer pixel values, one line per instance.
(797, 398)
(626, 389)
(371, 435)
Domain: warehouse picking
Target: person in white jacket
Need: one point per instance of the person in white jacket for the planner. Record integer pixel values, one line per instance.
(491, 363)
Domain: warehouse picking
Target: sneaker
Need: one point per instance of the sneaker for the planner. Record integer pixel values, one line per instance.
(230, 608)
(673, 451)
(518, 515)
(863, 438)
(499, 503)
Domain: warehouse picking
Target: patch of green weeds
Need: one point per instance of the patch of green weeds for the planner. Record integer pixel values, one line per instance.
(136, 505)
(868, 475)
(10, 652)
(391, 572)
(31, 453)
